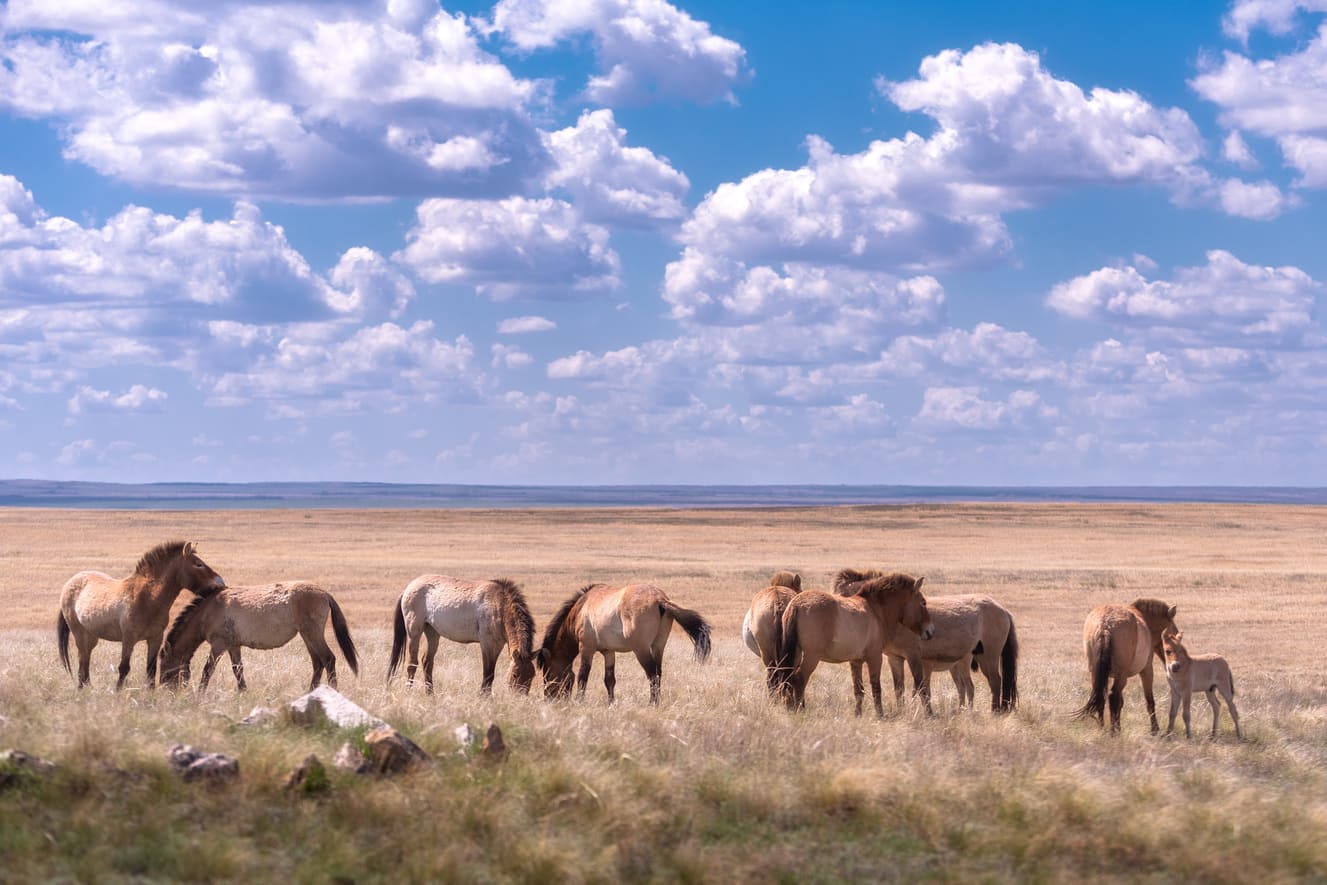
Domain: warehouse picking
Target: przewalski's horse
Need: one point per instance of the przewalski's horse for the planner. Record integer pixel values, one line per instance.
(848, 628)
(1119, 641)
(263, 617)
(600, 618)
(970, 630)
(95, 606)
(763, 622)
(491, 613)
(1189, 674)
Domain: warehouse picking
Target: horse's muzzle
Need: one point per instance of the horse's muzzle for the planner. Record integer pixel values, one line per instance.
(928, 631)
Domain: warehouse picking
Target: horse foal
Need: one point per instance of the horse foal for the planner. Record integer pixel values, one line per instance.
(1189, 674)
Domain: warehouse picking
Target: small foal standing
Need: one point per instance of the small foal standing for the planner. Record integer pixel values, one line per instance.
(95, 606)
(1189, 674)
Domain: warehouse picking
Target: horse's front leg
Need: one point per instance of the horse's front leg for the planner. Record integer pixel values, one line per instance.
(858, 689)
(1146, 676)
(213, 655)
(921, 681)
(873, 666)
(610, 673)
(153, 651)
(1174, 709)
(126, 652)
(896, 671)
(237, 667)
(489, 656)
(1188, 701)
(583, 674)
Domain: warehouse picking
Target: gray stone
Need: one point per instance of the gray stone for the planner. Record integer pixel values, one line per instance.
(326, 704)
(17, 767)
(259, 716)
(465, 738)
(349, 758)
(193, 764)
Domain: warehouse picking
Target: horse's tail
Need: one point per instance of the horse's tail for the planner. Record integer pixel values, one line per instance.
(342, 631)
(697, 627)
(977, 649)
(774, 675)
(787, 645)
(398, 642)
(62, 640)
(1096, 702)
(1009, 670)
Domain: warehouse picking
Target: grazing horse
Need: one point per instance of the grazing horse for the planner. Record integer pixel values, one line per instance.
(1189, 674)
(601, 618)
(1119, 641)
(95, 606)
(492, 613)
(263, 617)
(763, 622)
(848, 628)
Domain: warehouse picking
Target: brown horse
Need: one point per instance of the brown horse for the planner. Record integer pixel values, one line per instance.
(636, 618)
(763, 622)
(1119, 641)
(263, 617)
(95, 606)
(848, 628)
(1189, 674)
(971, 631)
(491, 613)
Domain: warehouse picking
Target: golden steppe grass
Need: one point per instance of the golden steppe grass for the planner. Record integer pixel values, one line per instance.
(716, 783)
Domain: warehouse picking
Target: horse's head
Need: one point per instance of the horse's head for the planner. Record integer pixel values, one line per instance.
(1175, 655)
(173, 667)
(916, 616)
(557, 672)
(522, 672)
(196, 575)
(1159, 618)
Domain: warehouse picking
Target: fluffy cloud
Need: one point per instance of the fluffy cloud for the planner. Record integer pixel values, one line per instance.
(299, 100)
(511, 248)
(138, 398)
(1224, 300)
(989, 351)
(1277, 16)
(610, 182)
(525, 325)
(963, 408)
(648, 50)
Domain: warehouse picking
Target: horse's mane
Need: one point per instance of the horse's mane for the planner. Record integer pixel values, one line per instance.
(847, 577)
(516, 616)
(556, 626)
(159, 556)
(1150, 606)
(791, 580)
(184, 617)
(880, 586)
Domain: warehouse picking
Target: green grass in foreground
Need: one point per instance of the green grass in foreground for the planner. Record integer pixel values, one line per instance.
(714, 785)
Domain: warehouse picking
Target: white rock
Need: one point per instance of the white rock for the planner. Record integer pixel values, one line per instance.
(325, 704)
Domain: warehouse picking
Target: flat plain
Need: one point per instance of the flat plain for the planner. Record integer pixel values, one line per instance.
(716, 783)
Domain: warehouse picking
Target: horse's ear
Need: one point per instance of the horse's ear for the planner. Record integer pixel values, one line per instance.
(189, 548)
(1171, 613)
(917, 585)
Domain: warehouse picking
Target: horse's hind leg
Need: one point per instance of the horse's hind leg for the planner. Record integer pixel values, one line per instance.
(1216, 709)
(237, 667)
(213, 655)
(858, 687)
(610, 673)
(990, 668)
(85, 642)
(1146, 676)
(873, 671)
(1229, 695)
(1116, 703)
(653, 672)
(431, 637)
(322, 657)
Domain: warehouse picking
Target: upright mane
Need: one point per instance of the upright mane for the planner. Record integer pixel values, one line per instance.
(160, 556)
(844, 580)
(881, 586)
(516, 616)
(1150, 606)
(183, 619)
(791, 580)
(557, 626)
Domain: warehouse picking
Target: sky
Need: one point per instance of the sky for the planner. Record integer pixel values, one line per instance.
(632, 242)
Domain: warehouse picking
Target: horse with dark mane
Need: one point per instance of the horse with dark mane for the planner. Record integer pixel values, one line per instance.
(492, 613)
(970, 631)
(848, 628)
(95, 606)
(1119, 641)
(762, 625)
(262, 617)
(604, 619)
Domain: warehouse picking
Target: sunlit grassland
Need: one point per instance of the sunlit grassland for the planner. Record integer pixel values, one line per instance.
(715, 783)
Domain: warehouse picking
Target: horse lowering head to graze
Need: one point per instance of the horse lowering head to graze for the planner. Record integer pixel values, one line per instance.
(262, 617)
(605, 619)
(492, 613)
(1119, 642)
(94, 606)
(970, 630)
(1189, 674)
(850, 629)
(763, 622)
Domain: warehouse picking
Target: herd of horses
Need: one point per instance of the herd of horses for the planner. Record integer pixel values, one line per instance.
(867, 617)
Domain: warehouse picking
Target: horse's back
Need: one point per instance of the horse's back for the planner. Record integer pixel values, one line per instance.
(459, 609)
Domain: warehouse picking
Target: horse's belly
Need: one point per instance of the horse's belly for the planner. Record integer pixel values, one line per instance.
(102, 621)
(845, 649)
(456, 626)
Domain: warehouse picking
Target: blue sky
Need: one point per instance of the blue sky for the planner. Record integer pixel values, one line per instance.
(629, 241)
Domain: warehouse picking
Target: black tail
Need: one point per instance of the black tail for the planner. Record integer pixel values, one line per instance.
(1096, 703)
(343, 639)
(977, 649)
(788, 647)
(1009, 671)
(697, 627)
(398, 642)
(62, 640)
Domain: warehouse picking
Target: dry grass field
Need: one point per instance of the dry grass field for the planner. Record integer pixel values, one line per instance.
(715, 784)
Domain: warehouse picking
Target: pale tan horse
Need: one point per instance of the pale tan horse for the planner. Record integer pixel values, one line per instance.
(848, 628)
(763, 622)
(1189, 674)
(604, 619)
(94, 606)
(492, 613)
(1119, 642)
(263, 617)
